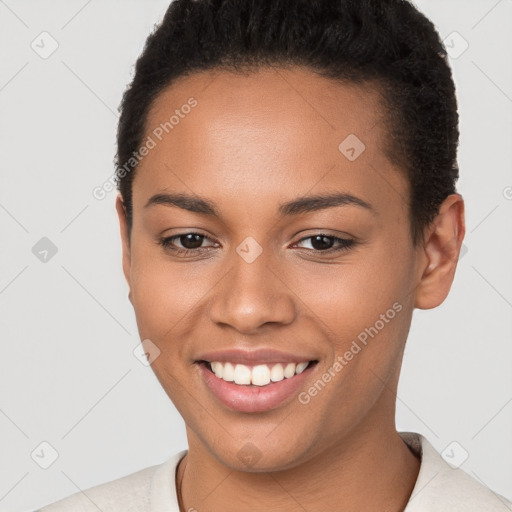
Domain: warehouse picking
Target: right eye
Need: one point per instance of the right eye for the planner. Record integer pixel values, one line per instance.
(191, 243)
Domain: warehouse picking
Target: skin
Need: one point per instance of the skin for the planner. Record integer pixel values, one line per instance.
(253, 142)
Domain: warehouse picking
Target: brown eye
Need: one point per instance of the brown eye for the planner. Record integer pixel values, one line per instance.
(328, 243)
(185, 243)
(191, 240)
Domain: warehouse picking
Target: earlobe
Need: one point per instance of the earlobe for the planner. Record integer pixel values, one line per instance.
(125, 241)
(441, 249)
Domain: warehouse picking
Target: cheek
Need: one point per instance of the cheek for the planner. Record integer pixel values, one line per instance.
(163, 294)
(346, 298)
(363, 309)
(170, 300)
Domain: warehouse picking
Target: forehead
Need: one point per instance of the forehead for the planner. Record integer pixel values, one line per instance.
(278, 132)
(283, 97)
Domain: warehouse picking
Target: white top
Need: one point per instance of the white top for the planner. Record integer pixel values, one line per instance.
(438, 488)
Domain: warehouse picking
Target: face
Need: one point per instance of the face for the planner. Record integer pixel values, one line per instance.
(264, 272)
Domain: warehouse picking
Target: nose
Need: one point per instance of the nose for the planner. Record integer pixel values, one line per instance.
(252, 295)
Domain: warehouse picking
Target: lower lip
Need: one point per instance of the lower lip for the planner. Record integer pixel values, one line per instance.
(250, 398)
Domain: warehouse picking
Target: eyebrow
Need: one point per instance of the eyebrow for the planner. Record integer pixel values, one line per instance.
(300, 205)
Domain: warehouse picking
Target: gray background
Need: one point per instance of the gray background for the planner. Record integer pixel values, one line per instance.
(68, 374)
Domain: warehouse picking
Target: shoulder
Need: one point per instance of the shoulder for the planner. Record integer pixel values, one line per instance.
(136, 492)
(441, 487)
(130, 492)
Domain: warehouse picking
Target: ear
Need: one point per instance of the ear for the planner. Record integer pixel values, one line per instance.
(441, 250)
(125, 241)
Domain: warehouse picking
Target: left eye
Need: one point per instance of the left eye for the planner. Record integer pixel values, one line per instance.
(325, 243)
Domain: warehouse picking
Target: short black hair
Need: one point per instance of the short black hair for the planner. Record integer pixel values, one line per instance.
(388, 43)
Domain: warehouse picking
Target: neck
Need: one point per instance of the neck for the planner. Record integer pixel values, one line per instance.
(369, 470)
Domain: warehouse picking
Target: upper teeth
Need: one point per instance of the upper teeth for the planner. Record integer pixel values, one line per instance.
(259, 375)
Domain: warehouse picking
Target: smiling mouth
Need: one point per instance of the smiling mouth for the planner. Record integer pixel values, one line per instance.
(258, 375)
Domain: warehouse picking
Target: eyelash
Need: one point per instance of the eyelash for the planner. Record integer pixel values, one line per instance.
(166, 242)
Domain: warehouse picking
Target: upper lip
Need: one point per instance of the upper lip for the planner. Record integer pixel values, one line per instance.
(261, 355)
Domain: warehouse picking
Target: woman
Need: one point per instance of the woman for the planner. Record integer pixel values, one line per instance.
(287, 198)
